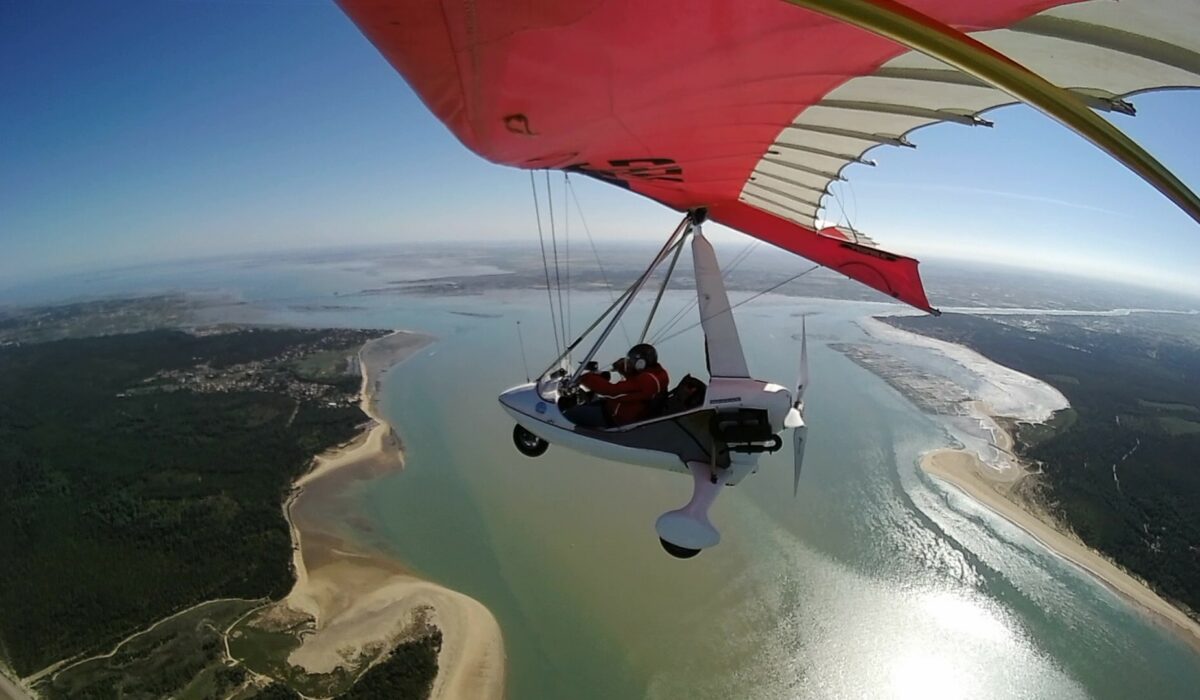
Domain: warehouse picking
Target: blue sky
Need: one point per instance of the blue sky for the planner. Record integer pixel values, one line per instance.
(139, 131)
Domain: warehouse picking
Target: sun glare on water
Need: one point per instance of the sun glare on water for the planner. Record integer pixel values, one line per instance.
(928, 676)
(932, 667)
(965, 618)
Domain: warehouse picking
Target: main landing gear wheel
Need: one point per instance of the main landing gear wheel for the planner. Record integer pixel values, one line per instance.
(677, 551)
(529, 444)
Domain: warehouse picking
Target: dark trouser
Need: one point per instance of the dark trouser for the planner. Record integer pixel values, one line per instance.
(588, 415)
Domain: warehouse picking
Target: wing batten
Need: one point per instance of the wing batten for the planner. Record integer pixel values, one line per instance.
(956, 116)
(946, 76)
(823, 152)
(803, 168)
(785, 195)
(774, 207)
(851, 133)
(794, 183)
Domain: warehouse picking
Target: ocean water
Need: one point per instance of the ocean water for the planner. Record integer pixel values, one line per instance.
(875, 581)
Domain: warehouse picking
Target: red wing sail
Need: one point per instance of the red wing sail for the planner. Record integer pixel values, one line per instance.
(749, 107)
(894, 275)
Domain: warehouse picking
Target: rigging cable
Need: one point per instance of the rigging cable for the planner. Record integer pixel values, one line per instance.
(844, 185)
(678, 315)
(521, 340)
(853, 202)
(567, 235)
(592, 243)
(768, 290)
(545, 266)
(562, 323)
(662, 288)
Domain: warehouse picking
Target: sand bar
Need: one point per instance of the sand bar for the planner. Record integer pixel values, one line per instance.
(1007, 392)
(363, 600)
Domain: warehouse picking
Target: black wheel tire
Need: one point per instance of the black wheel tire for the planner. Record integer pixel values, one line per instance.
(677, 551)
(527, 443)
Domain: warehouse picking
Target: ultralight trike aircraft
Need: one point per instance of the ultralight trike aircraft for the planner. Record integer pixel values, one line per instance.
(716, 434)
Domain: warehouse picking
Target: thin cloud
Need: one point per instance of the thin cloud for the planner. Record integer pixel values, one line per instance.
(959, 189)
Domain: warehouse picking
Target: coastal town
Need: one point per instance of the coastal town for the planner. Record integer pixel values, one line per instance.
(324, 369)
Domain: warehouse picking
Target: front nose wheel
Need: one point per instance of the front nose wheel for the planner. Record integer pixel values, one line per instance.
(527, 443)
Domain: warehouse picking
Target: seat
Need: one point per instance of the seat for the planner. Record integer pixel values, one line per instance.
(687, 394)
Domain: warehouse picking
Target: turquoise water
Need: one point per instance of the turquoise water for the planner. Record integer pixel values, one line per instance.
(874, 582)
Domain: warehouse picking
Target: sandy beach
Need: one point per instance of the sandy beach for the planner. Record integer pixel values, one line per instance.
(11, 690)
(363, 601)
(992, 487)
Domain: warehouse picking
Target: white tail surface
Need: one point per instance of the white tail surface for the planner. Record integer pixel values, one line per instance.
(725, 356)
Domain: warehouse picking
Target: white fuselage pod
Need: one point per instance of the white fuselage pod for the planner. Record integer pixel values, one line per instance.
(542, 417)
(538, 413)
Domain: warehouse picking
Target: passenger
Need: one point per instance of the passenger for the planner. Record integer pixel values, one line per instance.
(634, 398)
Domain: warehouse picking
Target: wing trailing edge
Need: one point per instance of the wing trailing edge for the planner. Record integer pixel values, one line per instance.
(894, 275)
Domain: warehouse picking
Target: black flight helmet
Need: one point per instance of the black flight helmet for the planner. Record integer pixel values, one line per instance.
(641, 356)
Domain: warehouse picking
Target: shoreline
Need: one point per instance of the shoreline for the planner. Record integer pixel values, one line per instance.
(361, 599)
(991, 476)
(964, 471)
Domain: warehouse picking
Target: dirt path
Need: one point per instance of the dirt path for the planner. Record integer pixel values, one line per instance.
(58, 668)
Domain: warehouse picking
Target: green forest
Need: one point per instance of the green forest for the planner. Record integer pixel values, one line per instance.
(406, 674)
(119, 508)
(1120, 466)
(182, 658)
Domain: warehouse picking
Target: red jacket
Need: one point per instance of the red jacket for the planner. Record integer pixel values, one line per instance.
(629, 400)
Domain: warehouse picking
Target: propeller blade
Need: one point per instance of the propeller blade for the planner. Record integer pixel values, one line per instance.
(799, 437)
(795, 417)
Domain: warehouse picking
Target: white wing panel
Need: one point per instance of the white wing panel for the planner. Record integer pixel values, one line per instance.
(817, 161)
(861, 120)
(1175, 22)
(918, 93)
(771, 170)
(772, 207)
(807, 139)
(785, 192)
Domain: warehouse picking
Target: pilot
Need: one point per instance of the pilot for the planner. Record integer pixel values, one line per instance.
(636, 397)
